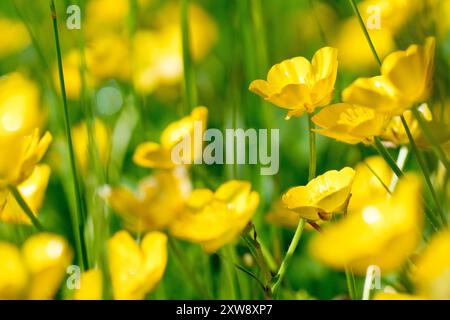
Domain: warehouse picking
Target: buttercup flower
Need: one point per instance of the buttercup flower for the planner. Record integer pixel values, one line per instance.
(298, 85)
(322, 196)
(367, 187)
(395, 296)
(158, 201)
(405, 81)
(382, 234)
(32, 190)
(191, 128)
(214, 219)
(90, 286)
(35, 272)
(432, 272)
(280, 216)
(20, 107)
(24, 152)
(81, 143)
(13, 37)
(349, 123)
(136, 269)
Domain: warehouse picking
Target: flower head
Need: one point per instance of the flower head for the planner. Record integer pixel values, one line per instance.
(350, 123)
(322, 196)
(136, 269)
(214, 219)
(13, 37)
(90, 286)
(298, 85)
(382, 234)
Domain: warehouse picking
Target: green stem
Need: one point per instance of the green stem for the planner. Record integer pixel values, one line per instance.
(312, 149)
(230, 271)
(78, 216)
(190, 90)
(387, 157)
(431, 139)
(23, 204)
(287, 259)
(350, 283)
(425, 170)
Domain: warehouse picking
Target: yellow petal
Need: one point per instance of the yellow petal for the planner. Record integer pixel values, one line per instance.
(13, 273)
(152, 155)
(90, 286)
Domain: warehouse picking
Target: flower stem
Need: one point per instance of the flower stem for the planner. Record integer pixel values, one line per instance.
(190, 90)
(350, 282)
(425, 171)
(431, 139)
(387, 157)
(287, 259)
(312, 149)
(23, 204)
(78, 216)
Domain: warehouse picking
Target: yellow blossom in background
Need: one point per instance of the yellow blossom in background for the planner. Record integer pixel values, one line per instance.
(405, 81)
(90, 286)
(350, 123)
(298, 85)
(33, 192)
(136, 268)
(13, 273)
(367, 187)
(46, 256)
(81, 143)
(188, 130)
(350, 36)
(13, 37)
(157, 202)
(396, 296)
(20, 105)
(382, 234)
(24, 153)
(431, 274)
(214, 219)
(321, 197)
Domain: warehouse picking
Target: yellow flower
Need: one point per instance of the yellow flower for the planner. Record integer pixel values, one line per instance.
(322, 196)
(280, 216)
(367, 187)
(13, 273)
(213, 219)
(382, 234)
(90, 286)
(35, 272)
(24, 152)
(81, 143)
(396, 296)
(20, 108)
(350, 123)
(432, 272)
(158, 201)
(298, 85)
(136, 269)
(189, 129)
(405, 81)
(46, 257)
(13, 37)
(33, 191)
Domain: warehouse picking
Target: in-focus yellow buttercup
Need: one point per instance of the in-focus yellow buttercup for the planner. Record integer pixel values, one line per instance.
(350, 123)
(81, 143)
(372, 178)
(405, 80)
(189, 129)
(321, 197)
(214, 219)
(136, 269)
(298, 85)
(90, 286)
(20, 105)
(279, 215)
(24, 153)
(431, 273)
(13, 37)
(383, 234)
(32, 191)
(158, 201)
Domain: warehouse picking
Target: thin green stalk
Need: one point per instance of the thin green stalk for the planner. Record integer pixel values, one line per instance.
(287, 259)
(78, 216)
(366, 33)
(431, 139)
(350, 283)
(312, 149)
(24, 206)
(425, 171)
(378, 145)
(190, 91)
(230, 271)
